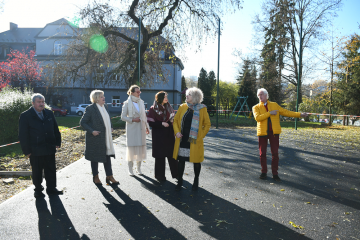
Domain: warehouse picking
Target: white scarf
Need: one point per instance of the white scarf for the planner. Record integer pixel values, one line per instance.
(142, 113)
(108, 136)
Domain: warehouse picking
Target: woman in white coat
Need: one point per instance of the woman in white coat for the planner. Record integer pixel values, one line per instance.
(133, 113)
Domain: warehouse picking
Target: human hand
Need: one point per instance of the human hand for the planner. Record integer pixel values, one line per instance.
(274, 112)
(147, 131)
(179, 135)
(165, 124)
(95, 133)
(136, 119)
(303, 114)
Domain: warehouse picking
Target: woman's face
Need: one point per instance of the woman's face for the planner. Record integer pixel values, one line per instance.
(165, 100)
(189, 98)
(136, 93)
(101, 100)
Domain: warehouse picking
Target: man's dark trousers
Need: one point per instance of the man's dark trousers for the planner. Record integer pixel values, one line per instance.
(38, 163)
(39, 137)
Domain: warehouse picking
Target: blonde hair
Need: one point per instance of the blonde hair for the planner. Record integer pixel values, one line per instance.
(132, 89)
(197, 95)
(95, 95)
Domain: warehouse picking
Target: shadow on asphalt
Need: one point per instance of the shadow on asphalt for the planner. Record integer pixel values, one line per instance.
(308, 171)
(136, 218)
(55, 224)
(219, 218)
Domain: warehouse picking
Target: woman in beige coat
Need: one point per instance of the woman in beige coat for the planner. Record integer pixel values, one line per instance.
(133, 113)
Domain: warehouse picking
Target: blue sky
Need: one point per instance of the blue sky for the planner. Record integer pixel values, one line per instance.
(237, 33)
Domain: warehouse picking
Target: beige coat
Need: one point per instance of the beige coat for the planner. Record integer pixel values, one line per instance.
(135, 131)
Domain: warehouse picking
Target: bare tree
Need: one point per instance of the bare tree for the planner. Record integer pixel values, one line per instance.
(165, 26)
(315, 16)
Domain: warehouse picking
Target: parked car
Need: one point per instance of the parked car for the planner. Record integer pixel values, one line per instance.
(81, 109)
(322, 120)
(59, 111)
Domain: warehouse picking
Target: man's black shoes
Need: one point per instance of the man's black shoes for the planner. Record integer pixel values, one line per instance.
(263, 176)
(54, 191)
(276, 178)
(38, 194)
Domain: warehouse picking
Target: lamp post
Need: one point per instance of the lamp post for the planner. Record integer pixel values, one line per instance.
(217, 91)
(139, 51)
(300, 65)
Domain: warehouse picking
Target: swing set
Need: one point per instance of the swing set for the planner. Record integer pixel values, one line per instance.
(242, 103)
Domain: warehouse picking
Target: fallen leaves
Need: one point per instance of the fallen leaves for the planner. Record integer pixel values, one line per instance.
(296, 226)
(221, 221)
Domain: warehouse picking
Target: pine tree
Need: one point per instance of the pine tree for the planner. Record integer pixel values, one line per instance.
(347, 95)
(247, 83)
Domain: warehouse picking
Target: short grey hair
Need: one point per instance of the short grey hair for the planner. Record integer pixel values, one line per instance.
(197, 95)
(37, 95)
(264, 91)
(95, 95)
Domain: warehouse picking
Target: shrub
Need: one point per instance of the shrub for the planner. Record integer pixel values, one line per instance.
(12, 103)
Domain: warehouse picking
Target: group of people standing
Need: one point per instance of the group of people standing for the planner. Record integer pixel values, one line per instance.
(175, 136)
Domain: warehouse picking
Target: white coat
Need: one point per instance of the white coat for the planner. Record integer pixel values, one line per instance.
(135, 131)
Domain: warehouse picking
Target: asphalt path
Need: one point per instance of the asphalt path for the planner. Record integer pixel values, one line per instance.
(318, 197)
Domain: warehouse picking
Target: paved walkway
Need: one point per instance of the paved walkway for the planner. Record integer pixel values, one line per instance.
(319, 192)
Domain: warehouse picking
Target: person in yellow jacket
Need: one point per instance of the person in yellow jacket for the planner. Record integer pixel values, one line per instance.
(191, 124)
(267, 114)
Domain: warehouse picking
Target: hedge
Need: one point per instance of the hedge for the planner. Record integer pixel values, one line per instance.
(12, 103)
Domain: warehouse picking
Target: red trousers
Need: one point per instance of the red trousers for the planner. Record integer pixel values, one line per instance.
(274, 144)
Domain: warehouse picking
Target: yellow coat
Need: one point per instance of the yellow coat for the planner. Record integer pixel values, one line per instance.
(261, 116)
(196, 150)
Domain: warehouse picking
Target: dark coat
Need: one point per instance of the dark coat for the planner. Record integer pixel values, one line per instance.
(95, 146)
(163, 139)
(36, 136)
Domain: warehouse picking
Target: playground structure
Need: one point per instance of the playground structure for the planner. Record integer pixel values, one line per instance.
(242, 103)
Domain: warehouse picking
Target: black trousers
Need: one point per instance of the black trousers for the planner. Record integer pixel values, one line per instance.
(160, 168)
(107, 166)
(46, 163)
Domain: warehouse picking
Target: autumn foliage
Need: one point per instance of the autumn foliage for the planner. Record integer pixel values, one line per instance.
(20, 70)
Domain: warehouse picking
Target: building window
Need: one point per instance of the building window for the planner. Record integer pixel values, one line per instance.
(162, 54)
(57, 48)
(115, 77)
(116, 101)
(100, 75)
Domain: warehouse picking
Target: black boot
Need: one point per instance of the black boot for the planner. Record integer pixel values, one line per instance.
(195, 185)
(197, 168)
(181, 168)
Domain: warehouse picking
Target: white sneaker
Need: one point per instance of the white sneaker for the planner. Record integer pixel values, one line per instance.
(130, 164)
(138, 167)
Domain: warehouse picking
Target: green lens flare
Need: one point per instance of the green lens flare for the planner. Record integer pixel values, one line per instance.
(98, 43)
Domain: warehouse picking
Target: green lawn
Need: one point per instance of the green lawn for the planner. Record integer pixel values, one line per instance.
(241, 121)
(63, 123)
(69, 122)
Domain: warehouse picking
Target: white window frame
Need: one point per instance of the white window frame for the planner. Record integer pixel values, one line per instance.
(116, 101)
(57, 48)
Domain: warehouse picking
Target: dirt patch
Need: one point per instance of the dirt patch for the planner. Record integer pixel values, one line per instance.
(72, 149)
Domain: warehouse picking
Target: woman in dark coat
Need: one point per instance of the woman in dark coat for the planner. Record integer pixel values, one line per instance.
(160, 118)
(98, 140)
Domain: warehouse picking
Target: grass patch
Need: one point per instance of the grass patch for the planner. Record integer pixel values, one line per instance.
(241, 121)
(13, 151)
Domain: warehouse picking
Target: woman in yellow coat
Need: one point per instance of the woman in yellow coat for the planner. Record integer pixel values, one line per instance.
(191, 124)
